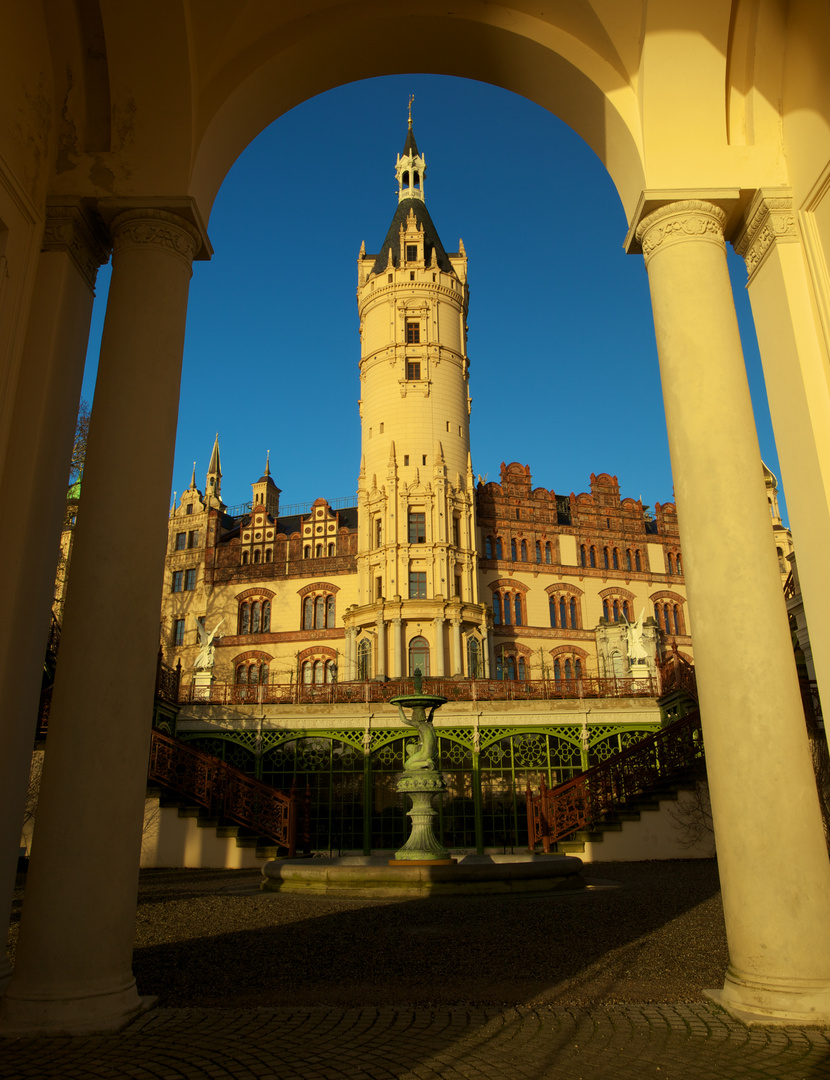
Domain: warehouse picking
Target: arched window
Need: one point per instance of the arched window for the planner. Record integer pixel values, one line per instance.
(615, 559)
(497, 609)
(679, 563)
(308, 613)
(319, 669)
(268, 555)
(578, 668)
(538, 551)
(242, 675)
(626, 610)
(511, 667)
(308, 672)
(253, 674)
(499, 554)
(552, 609)
(318, 552)
(320, 612)
(568, 670)
(255, 616)
(557, 669)
(606, 562)
(637, 561)
(617, 665)
(583, 556)
(657, 618)
(573, 613)
(513, 550)
(616, 611)
(488, 547)
(522, 668)
(548, 554)
(563, 612)
(419, 656)
(593, 556)
(330, 671)
(474, 670)
(330, 611)
(605, 612)
(307, 551)
(524, 551)
(628, 559)
(364, 660)
(517, 609)
(257, 556)
(670, 561)
(507, 612)
(499, 667)
(676, 616)
(244, 618)
(331, 551)
(244, 558)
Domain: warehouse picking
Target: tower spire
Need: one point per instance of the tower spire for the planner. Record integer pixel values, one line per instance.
(214, 475)
(411, 165)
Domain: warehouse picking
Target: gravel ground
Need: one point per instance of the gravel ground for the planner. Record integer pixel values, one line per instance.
(206, 938)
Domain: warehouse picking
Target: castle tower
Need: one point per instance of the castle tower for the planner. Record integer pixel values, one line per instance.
(416, 544)
(213, 482)
(265, 492)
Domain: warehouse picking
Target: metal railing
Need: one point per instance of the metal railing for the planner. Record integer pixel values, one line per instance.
(345, 693)
(556, 813)
(225, 792)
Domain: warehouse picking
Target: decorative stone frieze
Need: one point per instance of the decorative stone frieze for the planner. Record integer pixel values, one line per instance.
(71, 227)
(156, 227)
(769, 219)
(691, 219)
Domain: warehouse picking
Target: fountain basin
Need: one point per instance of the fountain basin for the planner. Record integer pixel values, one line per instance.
(473, 875)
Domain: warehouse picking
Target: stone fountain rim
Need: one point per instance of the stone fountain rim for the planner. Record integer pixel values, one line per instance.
(419, 699)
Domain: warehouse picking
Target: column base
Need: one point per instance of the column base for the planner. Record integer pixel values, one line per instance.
(774, 1002)
(23, 1015)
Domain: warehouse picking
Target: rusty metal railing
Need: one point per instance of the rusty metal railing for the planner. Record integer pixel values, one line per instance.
(556, 813)
(225, 792)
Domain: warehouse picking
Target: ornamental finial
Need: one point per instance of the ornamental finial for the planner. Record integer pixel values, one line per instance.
(411, 99)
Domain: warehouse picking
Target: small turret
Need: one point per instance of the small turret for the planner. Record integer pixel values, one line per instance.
(213, 482)
(265, 491)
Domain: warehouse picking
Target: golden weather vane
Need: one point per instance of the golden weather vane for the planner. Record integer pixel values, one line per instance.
(411, 99)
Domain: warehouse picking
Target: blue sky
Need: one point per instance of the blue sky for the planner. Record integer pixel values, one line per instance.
(564, 373)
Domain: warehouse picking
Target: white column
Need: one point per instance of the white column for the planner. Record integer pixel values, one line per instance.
(34, 484)
(73, 969)
(772, 859)
(439, 647)
(457, 660)
(350, 672)
(799, 397)
(487, 650)
(381, 631)
(397, 648)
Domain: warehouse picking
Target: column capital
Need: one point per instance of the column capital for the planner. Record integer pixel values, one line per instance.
(155, 227)
(180, 213)
(691, 219)
(71, 226)
(768, 220)
(652, 200)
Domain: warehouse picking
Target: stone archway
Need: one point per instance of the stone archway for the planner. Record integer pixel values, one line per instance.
(692, 165)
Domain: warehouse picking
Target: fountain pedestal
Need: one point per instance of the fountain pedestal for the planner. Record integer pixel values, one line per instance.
(420, 779)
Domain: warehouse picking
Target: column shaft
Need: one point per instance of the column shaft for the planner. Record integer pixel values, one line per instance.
(35, 484)
(73, 970)
(381, 631)
(397, 648)
(761, 778)
(440, 668)
(457, 661)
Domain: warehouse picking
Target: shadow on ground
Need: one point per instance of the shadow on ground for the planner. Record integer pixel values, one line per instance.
(658, 938)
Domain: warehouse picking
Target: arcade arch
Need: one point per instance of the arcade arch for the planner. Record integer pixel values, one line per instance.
(639, 88)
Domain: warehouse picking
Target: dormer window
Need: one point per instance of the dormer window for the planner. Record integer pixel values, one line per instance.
(411, 252)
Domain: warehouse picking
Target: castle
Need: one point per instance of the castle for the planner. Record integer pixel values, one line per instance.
(542, 616)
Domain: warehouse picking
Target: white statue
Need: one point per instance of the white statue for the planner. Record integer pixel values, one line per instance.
(636, 651)
(204, 661)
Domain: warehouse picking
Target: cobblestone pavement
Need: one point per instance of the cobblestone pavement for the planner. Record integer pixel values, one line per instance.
(664, 1042)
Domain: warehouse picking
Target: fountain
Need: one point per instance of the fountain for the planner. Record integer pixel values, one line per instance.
(423, 865)
(421, 780)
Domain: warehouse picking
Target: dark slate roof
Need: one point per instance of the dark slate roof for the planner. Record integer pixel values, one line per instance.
(410, 147)
(432, 241)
